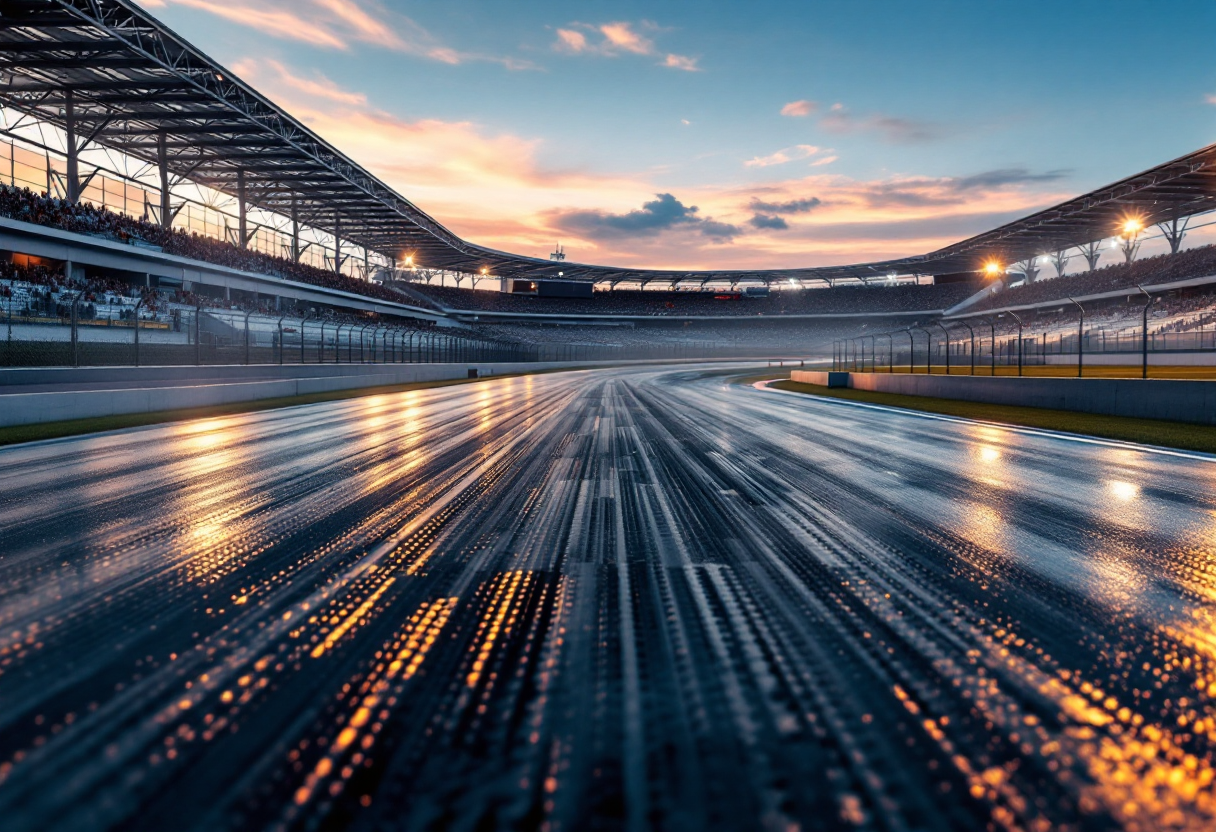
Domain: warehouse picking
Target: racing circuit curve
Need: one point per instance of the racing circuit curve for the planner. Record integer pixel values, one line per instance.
(642, 598)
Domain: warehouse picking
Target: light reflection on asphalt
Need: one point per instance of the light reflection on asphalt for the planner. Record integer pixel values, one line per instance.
(623, 599)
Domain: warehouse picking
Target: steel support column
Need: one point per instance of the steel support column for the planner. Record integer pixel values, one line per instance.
(162, 163)
(73, 148)
(295, 230)
(242, 222)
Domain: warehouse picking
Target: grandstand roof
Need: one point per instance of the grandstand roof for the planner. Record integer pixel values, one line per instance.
(131, 78)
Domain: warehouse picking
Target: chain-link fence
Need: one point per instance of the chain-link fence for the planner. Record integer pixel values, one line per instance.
(927, 346)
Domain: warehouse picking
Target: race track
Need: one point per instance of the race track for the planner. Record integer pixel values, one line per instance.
(629, 599)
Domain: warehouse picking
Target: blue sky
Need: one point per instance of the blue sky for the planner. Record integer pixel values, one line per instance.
(906, 125)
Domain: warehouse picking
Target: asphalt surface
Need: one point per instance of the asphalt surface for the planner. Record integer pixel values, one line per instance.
(627, 599)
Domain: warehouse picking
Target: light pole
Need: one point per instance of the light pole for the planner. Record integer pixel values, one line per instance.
(911, 351)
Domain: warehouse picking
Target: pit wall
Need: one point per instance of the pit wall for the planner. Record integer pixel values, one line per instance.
(1193, 402)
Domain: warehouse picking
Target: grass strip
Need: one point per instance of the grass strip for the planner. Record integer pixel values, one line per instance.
(1144, 431)
(75, 427)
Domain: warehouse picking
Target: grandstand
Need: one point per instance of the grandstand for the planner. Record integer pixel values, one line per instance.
(878, 299)
(1195, 266)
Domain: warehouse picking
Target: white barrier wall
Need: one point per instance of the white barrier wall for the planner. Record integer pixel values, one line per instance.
(1167, 399)
(25, 398)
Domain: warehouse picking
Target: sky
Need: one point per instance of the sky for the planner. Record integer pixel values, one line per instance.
(728, 134)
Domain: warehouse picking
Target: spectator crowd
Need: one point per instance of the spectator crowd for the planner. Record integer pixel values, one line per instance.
(84, 218)
(1166, 268)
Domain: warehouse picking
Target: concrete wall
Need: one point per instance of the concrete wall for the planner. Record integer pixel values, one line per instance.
(24, 408)
(37, 395)
(1173, 400)
(821, 378)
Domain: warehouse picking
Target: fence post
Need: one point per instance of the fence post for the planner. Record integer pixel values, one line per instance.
(142, 298)
(1144, 333)
(75, 334)
(247, 314)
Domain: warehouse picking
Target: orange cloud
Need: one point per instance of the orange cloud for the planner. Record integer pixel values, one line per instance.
(789, 154)
(275, 22)
(681, 62)
(799, 109)
(621, 37)
(571, 41)
(318, 86)
(617, 38)
(336, 24)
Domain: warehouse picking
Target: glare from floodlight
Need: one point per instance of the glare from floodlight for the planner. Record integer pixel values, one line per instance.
(993, 268)
(1132, 227)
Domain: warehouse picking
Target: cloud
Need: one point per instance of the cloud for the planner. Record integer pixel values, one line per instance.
(338, 24)
(1006, 176)
(793, 206)
(799, 109)
(767, 222)
(682, 62)
(317, 86)
(890, 128)
(663, 213)
(618, 38)
(781, 157)
(826, 160)
(919, 192)
(568, 40)
(1211, 99)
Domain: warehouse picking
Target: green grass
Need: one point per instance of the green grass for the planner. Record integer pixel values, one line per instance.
(75, 427)
(1144, 431)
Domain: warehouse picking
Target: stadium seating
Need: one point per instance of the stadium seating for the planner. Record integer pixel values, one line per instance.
(1191, 263)
(83, 218)
(838, 300)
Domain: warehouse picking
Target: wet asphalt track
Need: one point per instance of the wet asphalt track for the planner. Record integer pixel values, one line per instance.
(616, 600)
